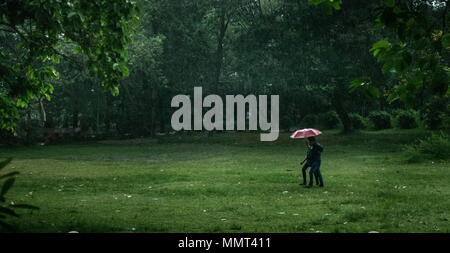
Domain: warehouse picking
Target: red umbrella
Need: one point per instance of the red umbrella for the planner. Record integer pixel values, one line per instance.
(305, 133)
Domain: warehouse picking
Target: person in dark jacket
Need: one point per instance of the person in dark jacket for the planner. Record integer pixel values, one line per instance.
(307, 165)
(316, 160)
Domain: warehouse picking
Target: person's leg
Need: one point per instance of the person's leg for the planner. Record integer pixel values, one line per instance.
(316, 175)
(319, 175)
(312, 171)
(305, 167)
(315, 171)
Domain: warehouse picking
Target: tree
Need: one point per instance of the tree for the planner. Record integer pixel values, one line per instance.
(319, 55)
(31, 36)
(416, 56)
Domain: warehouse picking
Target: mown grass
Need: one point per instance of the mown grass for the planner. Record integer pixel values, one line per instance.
(230, 182)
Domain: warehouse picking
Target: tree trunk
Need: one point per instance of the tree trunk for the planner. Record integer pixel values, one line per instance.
(42, 113)
(153, 110)
(74, 120)
(340, 110)
(155, 89)
(162, 117)
(108, 115)
(97, 125)
(219, 59)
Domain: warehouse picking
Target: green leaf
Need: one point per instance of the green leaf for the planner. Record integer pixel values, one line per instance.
(81, 17)
(6, 186)
(316, 2)
(125, 71)
(373, 91)
(55, 59)
(389, 3)
(379, 24)
(380, 44)
(336, 5)
(77, 50)
(397, 11)
(21, 103)
(115, 91)
(410, 23)
(364, 85)
(376, 51)
(392, 97)
(327, 5)
(53, 70)
(71, 14)
(446, 41)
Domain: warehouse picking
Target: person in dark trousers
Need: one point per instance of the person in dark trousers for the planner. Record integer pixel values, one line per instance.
(316, 150)
(308, 164)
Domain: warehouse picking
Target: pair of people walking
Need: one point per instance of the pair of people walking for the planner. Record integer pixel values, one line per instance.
(313, 160)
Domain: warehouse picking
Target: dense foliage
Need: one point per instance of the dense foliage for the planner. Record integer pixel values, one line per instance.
(380, 120)
(327, 66)
(436, 146)
(329, 120)
(35, 35)
(357, 120)
(406, 119)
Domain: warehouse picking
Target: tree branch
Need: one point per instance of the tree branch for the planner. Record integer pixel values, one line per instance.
(22, 35)
(14, 30)
(6, 30)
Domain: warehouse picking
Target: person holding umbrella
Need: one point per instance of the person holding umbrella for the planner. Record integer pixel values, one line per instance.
(308, 164)
(313, 156)
(316, 160)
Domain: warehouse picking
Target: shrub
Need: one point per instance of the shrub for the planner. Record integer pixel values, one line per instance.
(357, 120)
(437, 146)
(286, 122)
(396, 112)
(412, 154)
(406, 119)
(309, 120)
(27, 131)
(380, 120)
(329, 119)
(446, 123)
(435, 112)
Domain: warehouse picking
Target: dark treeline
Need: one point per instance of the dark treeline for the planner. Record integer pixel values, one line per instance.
(289, 48)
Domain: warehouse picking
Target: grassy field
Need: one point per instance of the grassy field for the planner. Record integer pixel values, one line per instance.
(229, 183)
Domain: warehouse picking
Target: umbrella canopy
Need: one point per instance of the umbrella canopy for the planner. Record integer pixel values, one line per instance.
(305, 133)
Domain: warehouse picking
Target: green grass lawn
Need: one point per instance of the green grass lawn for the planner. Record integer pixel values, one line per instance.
(229, 183)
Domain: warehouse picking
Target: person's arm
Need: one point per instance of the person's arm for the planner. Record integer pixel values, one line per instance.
(303, 161)
(320, 148)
